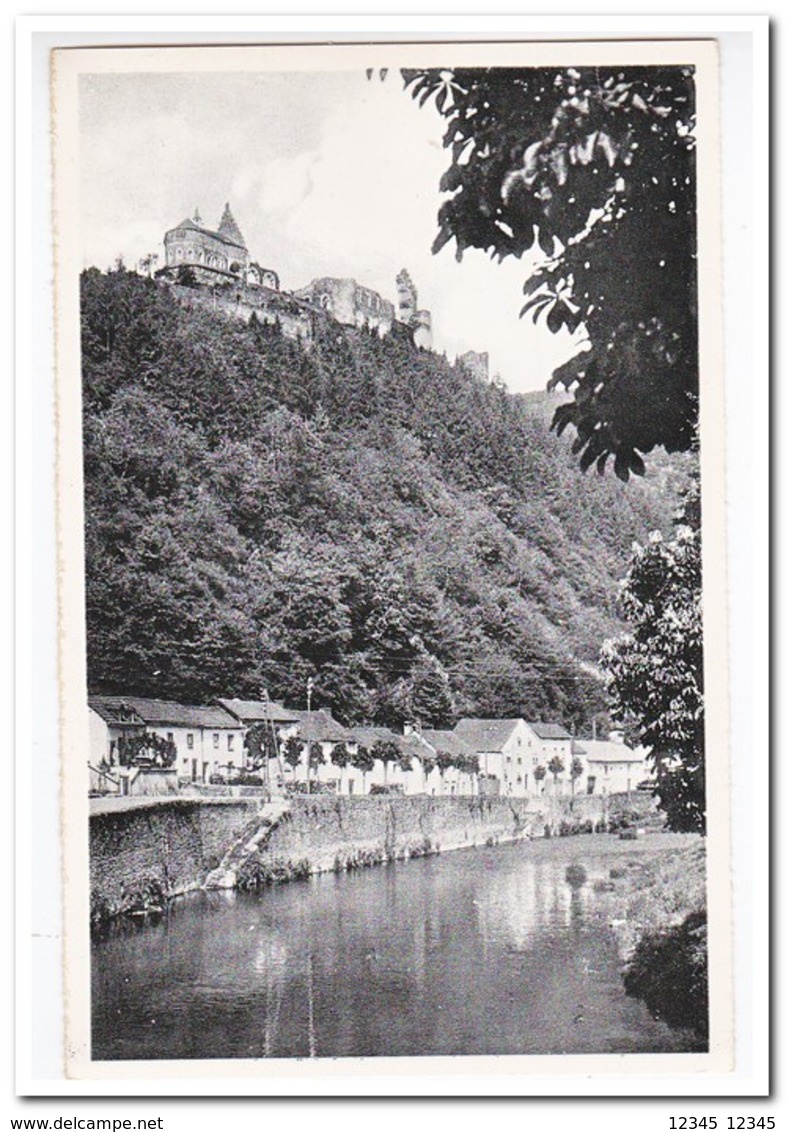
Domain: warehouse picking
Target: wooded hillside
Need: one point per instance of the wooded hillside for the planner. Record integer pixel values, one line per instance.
(364, 513)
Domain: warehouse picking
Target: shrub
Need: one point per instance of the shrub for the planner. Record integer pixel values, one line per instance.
(628, 834)
(668, 971)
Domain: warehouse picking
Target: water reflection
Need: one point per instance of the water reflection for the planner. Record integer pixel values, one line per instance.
(485, 951)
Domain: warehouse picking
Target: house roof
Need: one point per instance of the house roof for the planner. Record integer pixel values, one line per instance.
(416, 746)
(604, 751)
(224, 237)
(118, 712)
(320, 727)
(485, 736)
(368, 736)
(258, 711)
(161, 712)
(577, 749)
(549, 730)
(447, 741)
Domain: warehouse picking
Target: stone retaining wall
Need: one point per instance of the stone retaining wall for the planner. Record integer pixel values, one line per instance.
(143, 854)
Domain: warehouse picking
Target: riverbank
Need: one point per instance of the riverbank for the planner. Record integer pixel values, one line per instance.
(660, 919)
(144, 852)
(142, 856)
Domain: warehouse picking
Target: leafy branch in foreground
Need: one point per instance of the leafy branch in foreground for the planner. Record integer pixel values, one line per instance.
(656, 671)
(596, 167)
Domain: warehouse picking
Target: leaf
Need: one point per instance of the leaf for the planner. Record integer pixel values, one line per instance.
(621, 469)
(636, 463)
(555, 319)
(539, 300)
(534, 283)
(563, 416)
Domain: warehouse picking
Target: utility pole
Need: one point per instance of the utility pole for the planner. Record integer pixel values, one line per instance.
(309, 690)
(265, 704)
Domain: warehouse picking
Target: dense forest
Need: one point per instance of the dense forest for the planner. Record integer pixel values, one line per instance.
(361, 512)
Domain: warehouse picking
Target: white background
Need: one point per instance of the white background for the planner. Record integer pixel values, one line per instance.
(746, 245)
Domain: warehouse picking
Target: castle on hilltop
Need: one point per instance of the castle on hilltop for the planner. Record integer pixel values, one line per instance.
(214, 266)
(215, 255)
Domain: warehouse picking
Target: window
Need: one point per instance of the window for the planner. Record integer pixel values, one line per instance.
(215, 738)
(170, 736)
(190, 741)
(230, 742)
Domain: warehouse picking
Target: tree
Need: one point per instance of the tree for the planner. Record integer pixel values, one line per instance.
(539, 773)
(364, 761)
(316, 759)
(387, 751)
(596, 165)
(576, 771)
(293, 749)
(428, 764)
(339, 756)
(467, 764)
(259, 744)
(444, 761)
(655, 671)
(556, 766)
(146, 748)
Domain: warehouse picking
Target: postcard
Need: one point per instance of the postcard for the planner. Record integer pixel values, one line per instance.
(392, 605)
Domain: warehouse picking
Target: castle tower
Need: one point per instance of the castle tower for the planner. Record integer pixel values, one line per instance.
(228, 228)
(407, 297)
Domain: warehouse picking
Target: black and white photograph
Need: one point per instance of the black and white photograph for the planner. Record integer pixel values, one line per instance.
(393, 612)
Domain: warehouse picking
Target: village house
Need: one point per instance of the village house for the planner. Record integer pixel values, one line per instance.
(207, 739)
(451, 781)
(610, 766)
(543, 743)
(500, 746)
(248, 713)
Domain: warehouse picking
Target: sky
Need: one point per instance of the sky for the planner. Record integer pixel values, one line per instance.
(326, 174)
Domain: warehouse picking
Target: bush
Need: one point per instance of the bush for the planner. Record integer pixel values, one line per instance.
(628, 834)
(246, 779)
(396, 789)
(316, 788)
(668, 971)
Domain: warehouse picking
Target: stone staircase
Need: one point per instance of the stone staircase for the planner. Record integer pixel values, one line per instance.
(225, 876)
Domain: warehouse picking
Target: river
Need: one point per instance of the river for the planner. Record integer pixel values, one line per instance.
(479, 951)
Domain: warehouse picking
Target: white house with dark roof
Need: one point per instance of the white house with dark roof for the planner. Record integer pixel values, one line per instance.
(208, 740)
(500, 745)
(610, 767)
(250, 712)
(545, 741)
